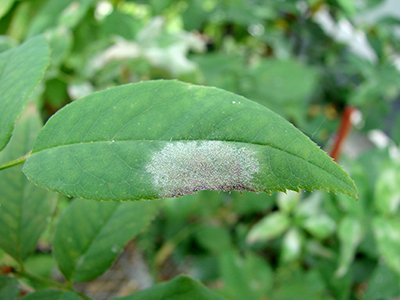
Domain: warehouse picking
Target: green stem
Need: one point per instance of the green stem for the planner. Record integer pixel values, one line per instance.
(168, 247)
(15, 162)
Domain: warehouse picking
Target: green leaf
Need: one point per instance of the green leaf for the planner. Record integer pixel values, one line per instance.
(284, 80)
(247, 203)
(383, 284)
(7, 43)
(287, 202)
(59, 12)
(320, 226)
(315, 248)
(387, 191)
(60, 40)
(214, 238)
(221, 70)
(9, 288)
(350, 234)
(73, 14)
(159, 139)
(387, 235)
(159, 5)
(5, 6)
(260, 274)
(291, 245)
(21, 69)
(51, 295)
(90, 235)
(248, 277)
(294, 283)
(340, 287)
(179, 288)
(179, 209)
(283, 85)
(309, 207)
(196, 14)
(120, 24)
(41, 265)
(348, 6)
(270, 227)
(24, 208)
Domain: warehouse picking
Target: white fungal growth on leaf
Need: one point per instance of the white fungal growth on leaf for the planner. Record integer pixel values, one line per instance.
(181, 168)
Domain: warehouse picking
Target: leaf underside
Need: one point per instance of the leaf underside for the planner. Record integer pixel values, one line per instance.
(160, 139)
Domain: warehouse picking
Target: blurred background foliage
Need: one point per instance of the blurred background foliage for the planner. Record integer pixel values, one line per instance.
(307, 60)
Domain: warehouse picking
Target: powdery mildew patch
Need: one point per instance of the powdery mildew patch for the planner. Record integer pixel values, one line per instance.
(181, 168)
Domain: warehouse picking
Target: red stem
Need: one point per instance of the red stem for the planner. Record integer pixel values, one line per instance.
(344, 130)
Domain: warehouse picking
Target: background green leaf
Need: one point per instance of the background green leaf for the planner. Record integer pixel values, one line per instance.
(5, 5)
(387, 235)
(350, 233)
(90, 235)
(284, 85)
(179, 288)
(24, 207)
(51, 295)
(295, 283)
(214, 238)
(9, 288)
(287, 202)
(58, 12)
(271, 226)
(21, 69)
(321, 226)
(248, 277)
(291, 245)
(159, 139)
(383, 284)
(387, 191)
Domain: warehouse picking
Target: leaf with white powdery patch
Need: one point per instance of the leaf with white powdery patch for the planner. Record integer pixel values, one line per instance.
(160, 139)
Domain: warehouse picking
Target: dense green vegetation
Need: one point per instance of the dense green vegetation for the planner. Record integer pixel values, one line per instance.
(331, 68)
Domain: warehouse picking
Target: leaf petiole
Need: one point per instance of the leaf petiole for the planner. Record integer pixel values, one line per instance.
(15, 162)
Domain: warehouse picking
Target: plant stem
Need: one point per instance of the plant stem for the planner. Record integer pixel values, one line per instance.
(168, 247)
(344, 130)
(15, 162)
